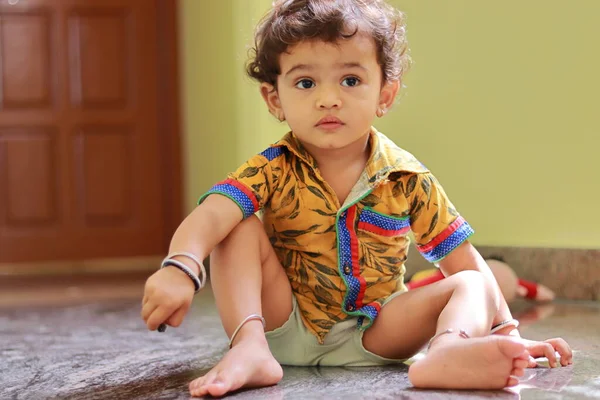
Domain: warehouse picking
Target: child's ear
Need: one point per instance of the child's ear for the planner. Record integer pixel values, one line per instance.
(388, 94)
(271, 98)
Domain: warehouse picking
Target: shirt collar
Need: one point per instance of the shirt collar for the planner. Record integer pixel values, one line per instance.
(385, 157)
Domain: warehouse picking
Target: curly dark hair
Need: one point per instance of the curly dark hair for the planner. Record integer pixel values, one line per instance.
(292, 21)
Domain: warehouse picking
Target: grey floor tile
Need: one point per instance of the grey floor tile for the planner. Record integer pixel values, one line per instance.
(102, 351)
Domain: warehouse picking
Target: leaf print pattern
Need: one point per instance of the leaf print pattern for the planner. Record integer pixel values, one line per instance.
(301, 219)
(437, 227)
(370, 201)
(411, 185)
(296, 233)
(323, 213)
(330, 229)
(288, 198)
(398, 189)
(432, 225)
(326, 283)
(426, 186)
(249, 172)
(288, 259)
(299, 170)
(417, 206)
(314, 190)
(325, 269)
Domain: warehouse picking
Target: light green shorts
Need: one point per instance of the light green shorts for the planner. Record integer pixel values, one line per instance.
(293, 344)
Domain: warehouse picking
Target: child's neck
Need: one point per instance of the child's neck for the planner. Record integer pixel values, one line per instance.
(341, 168)
(338, 159)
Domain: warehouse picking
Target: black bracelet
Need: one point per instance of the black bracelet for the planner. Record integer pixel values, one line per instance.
(504, 324)
(181, 266)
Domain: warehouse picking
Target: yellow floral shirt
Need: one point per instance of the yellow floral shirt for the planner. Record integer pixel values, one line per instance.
(345, 260)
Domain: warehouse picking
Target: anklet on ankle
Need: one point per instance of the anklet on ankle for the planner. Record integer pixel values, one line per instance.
(461, 333)
(248, 318)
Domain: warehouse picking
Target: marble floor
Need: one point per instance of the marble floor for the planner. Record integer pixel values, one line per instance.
(77, 340)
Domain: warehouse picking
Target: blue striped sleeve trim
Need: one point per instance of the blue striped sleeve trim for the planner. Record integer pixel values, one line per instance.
(242, 199)
(440, 251)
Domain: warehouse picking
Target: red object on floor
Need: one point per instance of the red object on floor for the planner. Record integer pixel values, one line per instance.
(436, 276)
(531, 288)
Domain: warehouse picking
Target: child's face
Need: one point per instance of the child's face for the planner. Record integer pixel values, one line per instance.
(321, 80)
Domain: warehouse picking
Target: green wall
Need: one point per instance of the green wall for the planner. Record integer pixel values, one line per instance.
(499, 105)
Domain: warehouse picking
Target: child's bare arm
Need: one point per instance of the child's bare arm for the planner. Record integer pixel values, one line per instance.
(206, 226)
(169, 292)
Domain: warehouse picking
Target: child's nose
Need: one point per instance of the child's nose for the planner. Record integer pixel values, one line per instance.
(328, 97)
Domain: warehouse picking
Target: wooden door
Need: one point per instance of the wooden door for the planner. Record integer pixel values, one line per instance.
(88, 129)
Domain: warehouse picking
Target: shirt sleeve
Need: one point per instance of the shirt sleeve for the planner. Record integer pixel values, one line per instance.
(437, 226)
(250, 185)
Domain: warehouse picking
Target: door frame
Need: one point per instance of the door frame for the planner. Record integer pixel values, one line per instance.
(169, 117)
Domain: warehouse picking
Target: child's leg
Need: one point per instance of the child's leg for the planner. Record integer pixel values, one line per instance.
(247, 278)
(461, 301)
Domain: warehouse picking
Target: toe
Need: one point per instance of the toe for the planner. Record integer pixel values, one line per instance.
(219, 386)
(227, 381)
(511, 348)
(512, 381)
(198, 386)
(518, 363)
(196, 383)
(216, 389)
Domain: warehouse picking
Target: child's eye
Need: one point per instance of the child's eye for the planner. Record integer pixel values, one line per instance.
(350, 81)
(305, 84)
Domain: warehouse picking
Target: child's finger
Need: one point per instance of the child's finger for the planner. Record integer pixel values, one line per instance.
(158, 316)
(177, 318)
(532, 362)
(147, 310)
(520, 364)
(549, 353)
(524, 356)
(566, 355)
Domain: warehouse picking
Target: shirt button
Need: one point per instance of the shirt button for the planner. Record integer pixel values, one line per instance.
(347, 270)
(350, 307)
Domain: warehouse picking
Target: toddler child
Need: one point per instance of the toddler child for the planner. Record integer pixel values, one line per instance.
(319, 279)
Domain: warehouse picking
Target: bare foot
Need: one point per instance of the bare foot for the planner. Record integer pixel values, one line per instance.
(490, 362)
(248, 364)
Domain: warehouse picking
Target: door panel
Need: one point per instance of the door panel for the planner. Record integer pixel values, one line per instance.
(81, 174)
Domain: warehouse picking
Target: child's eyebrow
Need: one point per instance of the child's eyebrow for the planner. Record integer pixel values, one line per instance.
(352, 65)
(298, 67)
(309, 67)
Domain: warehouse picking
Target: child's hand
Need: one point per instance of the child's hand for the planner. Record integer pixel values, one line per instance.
(548, 349)
(168, 295)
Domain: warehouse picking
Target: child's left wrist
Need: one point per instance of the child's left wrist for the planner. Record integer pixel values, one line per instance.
(508, 331)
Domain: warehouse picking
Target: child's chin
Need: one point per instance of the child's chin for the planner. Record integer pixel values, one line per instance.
(333, 145)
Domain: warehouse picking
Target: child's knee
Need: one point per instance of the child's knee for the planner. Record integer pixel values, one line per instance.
(470, 277)
(473, 280)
